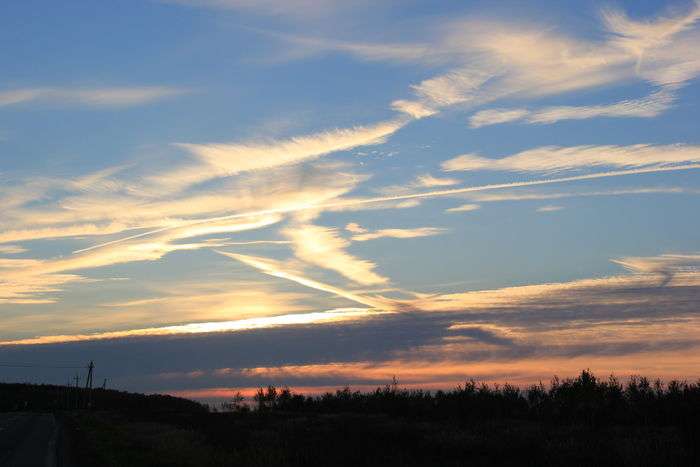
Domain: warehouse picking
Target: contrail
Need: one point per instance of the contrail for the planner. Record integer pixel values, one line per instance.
(430, 194)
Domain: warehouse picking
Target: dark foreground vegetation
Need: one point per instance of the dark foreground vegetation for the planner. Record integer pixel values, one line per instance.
(581, 421)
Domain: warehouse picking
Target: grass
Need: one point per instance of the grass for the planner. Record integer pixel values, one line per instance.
(292, 439)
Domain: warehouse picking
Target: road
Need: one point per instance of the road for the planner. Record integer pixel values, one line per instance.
(28, 439)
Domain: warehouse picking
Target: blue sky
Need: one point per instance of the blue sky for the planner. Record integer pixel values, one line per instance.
(457, 189)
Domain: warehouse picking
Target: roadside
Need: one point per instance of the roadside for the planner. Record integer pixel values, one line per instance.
(29, 439)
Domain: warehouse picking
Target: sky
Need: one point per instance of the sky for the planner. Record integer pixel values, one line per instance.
(207, 196)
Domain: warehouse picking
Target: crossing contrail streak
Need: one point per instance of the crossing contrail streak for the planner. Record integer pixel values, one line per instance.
(347, 203)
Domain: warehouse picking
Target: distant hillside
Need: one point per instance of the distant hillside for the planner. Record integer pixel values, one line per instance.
(46, 397)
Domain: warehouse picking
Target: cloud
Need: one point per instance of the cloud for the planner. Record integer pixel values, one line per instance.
(617, 323)
(666, 265)
(293, 9)
(357, 203)
(493, 60)
(354, 227)
(464, 208)
(11, 249)
(222, 160)
(455, 87)
(495, 116)
(428, 181)
(93, 206)
(549, 208)
(274, 268)
(92, 97)
(27, 280)
(613, 291)
(661, 263)
(398, 233)
(413, 109)
(323, 247)
(332, 316)
(421, 181)
(556, 159)
(298, 46)
(498, 197)
(639, 36)
(311, 199)
(646, 107)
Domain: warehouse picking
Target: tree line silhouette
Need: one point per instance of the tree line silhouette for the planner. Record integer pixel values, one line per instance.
(584, 399)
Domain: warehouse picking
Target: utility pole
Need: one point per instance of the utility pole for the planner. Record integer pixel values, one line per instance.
(88, 381)
(88, 385)
(76, 378)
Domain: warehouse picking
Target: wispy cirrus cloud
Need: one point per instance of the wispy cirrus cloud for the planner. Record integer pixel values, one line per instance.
(397, 233)
(429, 181)
(638, 36)
(667, 265)
(11, 249)
(549, 208)
(497, 59)
(324, 247)
(645, 107)
(464, 208)
(276, 269)
(27, 280)
(332, 316)
(496, 116)
(292, 9)
(530, 196)
(124, 96)
(556, 159)
(222, 160)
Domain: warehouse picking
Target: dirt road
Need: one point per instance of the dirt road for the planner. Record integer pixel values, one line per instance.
(28, 440)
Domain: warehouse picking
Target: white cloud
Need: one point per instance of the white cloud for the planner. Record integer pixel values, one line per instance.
(11, 249)
(556, 159)
(276, 269)
(94, 97)
(495, 116)
(428, 181)
(332, 316)
(496, 60)
(294, 9)
(464, 208)
(413, 109)
(398, 233)
(323, 247)
(629, 289)
(639, 36)
(221, 160)
(355, 228)
(455, 87)
(299, 46)
(666, 265)
(549, 208)
(645, 107)
(498, 197)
